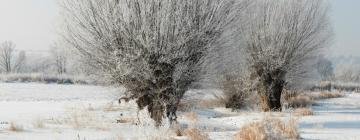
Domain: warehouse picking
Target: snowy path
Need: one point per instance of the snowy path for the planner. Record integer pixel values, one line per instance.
(334, 119)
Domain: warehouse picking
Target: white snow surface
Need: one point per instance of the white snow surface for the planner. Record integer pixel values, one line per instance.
(81, 112)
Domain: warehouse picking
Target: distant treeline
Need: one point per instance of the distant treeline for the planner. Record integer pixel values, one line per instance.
(339, 86)
(47, 78)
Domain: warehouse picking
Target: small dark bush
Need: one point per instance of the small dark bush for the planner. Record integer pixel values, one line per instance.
(235, 96)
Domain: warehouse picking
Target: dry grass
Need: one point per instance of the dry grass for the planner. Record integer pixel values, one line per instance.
(38, 123)
(192, 132)
(252, 131)
(235, 96)
(212, 103)
(328, 95)
(195, 134)
(300, 101)
(126, 120)
(189, 105)
(192, 116)
(303, 112)
(110, 107)
(15, 127)
(186, 105)
(288, 130)
(79, 119)
(269, 128)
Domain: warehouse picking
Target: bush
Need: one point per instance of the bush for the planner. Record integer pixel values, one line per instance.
(252, 131)
(44, 78)
(15, 127)
(327, 95)
(235, 96)
(293, 99)
(212, 103)
(269, 128)
(195, 134)
(303, 112)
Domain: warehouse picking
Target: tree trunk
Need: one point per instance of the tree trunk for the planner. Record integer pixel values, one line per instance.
(272, 84)
(171, 112)
(275, 95)
(271, 99)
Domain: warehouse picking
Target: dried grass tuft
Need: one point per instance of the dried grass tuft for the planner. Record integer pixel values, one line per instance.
(15, 127)
(252, 131)
(192, 116)
(195, 134)
(328, 95)
(212, 103)
(269, 128)
(303, 112)
(300, 101)
(38, 123)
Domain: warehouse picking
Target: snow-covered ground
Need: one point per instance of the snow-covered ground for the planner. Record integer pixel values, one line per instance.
(78, 112)
(334, 119)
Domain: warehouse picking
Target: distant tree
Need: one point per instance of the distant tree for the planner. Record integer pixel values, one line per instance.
(283, 38)
(325, 68)
(20, 62)
(6, 56)
(60, 58)
(348, 73)
(154, 48)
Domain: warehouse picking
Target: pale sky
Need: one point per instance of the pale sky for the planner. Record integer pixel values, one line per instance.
(345, 16)
(31, 24)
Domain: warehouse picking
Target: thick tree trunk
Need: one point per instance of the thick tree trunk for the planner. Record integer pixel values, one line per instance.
(165, 99)
(272, 85)
(275, 95)
(271, 99)
(171, 112)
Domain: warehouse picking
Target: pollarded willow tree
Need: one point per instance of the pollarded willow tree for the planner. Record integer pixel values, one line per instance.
(285, 35)
(154, 48)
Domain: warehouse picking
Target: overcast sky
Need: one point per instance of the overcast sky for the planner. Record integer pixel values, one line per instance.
(31, 24)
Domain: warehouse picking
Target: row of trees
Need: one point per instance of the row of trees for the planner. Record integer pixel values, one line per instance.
(9, 62)
(157, 49)
(14, 61)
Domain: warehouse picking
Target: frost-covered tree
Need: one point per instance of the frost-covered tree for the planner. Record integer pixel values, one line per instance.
(348, 73)
(20, 63)
(9, 61)
(283, 38)
(59, 57)
(325, 69)
(154, 48)
(7, 55)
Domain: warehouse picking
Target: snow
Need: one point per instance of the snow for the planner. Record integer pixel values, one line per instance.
(91, 112)
(337, 118)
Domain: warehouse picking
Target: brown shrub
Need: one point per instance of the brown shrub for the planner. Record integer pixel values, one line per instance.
(328, 95)
(192, 116)
(303, 112)
(234, 91)
(126, 120)
(38, 123)
(195, 134)
(300, 101)
(212, 103)
(15, 127)
(269, 128)
(286, 130)
(186, 105)
(252, 131)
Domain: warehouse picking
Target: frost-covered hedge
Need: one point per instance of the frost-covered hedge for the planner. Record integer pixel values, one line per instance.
(46, 78)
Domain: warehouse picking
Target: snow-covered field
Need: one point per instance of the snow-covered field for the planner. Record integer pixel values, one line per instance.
(78, 112)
